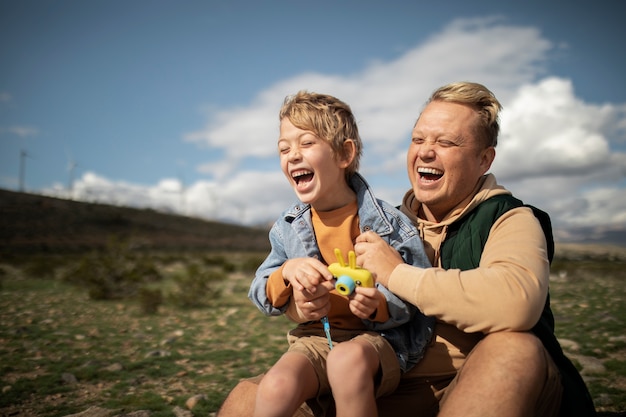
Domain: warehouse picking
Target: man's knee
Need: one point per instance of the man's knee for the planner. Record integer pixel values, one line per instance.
(510, 345)
(240, 401)
(517, 353)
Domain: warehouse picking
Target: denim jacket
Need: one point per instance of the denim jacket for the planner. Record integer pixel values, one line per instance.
(292, 236)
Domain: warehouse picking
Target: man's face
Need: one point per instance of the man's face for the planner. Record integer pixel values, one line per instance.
(445, 159)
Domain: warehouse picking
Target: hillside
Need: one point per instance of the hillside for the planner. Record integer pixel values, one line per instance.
(33, 223)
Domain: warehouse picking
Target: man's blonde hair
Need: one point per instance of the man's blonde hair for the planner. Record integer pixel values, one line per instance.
(328, 118)
(480, 99)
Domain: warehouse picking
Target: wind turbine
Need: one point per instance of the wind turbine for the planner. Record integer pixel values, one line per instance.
(183, 190)
(23, 156)
(71, 166)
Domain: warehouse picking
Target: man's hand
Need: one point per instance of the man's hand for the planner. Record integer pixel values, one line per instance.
(375, 255)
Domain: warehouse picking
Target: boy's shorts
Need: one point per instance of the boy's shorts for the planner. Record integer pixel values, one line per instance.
(315, 347)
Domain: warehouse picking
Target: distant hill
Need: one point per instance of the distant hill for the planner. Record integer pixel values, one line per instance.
(32, 223)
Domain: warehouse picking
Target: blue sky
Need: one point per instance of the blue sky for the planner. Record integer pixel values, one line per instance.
(173, 104)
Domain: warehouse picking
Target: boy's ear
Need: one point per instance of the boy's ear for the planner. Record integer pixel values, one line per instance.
(348, 154)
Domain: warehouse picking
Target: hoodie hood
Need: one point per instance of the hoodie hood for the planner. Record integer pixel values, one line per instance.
(433, 233)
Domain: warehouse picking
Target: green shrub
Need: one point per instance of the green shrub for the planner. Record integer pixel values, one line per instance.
(150, 299)
(196, 286)
(251, 263)
(219, 261)
(113, 273)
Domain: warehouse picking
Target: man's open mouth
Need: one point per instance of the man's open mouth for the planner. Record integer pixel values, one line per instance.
(429, 174)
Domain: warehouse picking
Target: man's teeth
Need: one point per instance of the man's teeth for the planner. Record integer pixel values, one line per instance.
(429, 171)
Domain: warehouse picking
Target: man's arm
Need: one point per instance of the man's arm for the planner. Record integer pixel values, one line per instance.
(506, 292)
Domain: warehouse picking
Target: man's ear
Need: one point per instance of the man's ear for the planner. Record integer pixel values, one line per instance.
(486, 158)
(348, 154)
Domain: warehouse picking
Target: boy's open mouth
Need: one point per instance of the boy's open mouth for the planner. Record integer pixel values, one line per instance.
(301, 177)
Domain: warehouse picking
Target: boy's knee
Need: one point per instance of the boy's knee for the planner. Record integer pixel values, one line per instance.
(274, 387)
(344, 356)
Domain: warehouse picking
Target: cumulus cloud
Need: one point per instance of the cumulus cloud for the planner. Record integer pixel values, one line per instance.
(386, 97)
(21, 131)
(555, 151)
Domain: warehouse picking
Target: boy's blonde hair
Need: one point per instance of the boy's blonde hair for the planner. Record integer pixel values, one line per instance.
(328, 118)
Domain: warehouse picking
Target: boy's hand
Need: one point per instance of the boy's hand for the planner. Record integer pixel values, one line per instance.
(305, 274)
(364, 301)
(307, 306)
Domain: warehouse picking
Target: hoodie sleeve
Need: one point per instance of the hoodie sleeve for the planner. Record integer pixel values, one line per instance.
(506, 292)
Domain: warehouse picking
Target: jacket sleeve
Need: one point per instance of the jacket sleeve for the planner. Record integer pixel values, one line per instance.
(258, 289)
(506, 292)
(412, 251)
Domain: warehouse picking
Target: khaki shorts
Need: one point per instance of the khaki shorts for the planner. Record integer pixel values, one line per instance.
(315, 347)
(423, 396)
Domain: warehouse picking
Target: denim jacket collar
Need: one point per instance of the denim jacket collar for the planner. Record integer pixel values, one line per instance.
(371, 216)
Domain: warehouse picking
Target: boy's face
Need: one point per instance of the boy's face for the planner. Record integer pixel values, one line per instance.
(315, 175)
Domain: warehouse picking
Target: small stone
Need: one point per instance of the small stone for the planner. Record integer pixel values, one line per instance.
(569, 345)
(195, 400)
(93, 412)
(158, 354)
(114, 367)
(68, 378)
(181, 412)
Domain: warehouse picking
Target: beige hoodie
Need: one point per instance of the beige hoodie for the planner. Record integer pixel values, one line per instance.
(506, 292)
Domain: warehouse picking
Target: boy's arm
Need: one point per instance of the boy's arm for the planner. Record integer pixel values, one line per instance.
(258, 288)
(278, 290)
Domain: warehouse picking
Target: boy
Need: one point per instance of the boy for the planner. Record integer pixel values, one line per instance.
(376, 335)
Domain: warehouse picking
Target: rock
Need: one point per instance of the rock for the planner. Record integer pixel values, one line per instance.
(114, 367)
(138, 413)
(181, 412)
(93, 412)
(569, 345)
(590, 365)
(68, 378)
(158, 354)
(195, 400)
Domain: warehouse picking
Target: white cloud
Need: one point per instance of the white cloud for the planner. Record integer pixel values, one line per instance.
(21, 131)
(555, 151)
(561, 154)
(547, 131)
(387, 97)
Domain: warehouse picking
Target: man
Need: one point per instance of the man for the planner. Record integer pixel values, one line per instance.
(494, 351)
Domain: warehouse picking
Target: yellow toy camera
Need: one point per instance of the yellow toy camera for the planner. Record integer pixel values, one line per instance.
(349, 276)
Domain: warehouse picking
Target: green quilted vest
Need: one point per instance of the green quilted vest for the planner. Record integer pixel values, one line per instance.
(462, 250)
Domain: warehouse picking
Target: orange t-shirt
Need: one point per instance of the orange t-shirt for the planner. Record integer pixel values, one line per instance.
(333, 229)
